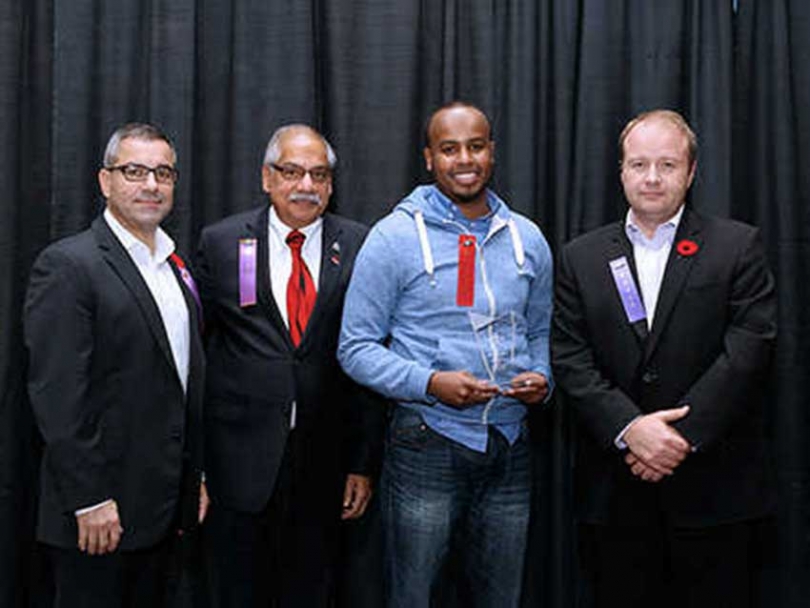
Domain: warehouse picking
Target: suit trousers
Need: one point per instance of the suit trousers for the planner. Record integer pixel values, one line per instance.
(669, 566)
(282, 556)
(123, 579)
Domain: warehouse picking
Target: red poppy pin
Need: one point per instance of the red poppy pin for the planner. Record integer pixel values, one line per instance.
(687, 248)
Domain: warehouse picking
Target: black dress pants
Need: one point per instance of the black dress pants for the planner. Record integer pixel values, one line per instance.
(283, 556)
(667, 566)
(123, 579)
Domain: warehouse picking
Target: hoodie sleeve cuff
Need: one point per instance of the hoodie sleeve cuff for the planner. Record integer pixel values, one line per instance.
(420, 381)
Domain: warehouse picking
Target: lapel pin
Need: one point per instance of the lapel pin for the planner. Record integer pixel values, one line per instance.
(687, 248)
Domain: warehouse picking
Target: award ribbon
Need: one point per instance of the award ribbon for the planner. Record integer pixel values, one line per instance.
(465, 290)
(247, 272)
(623, 278)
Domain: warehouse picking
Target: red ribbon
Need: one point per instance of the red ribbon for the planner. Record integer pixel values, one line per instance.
(465, 291)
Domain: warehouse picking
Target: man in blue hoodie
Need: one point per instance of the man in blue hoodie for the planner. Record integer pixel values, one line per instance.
(447, 314)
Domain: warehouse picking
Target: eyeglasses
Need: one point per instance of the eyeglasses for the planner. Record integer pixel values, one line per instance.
(134, 172)
(295, 173)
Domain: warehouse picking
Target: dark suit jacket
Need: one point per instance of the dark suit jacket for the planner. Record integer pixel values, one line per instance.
(255, 372)
(106, 394)
(710, 346)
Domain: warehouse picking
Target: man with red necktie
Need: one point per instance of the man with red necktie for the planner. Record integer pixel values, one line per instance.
(290, 440)
(300, 289)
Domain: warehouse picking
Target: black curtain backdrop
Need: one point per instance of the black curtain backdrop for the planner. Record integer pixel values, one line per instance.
(559, 78)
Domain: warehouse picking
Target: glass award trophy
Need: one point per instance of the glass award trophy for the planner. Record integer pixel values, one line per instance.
(496, 338)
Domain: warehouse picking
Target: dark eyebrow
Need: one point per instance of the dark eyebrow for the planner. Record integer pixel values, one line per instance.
(466, 141)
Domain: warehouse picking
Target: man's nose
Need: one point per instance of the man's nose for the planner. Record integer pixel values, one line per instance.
(151, 180)
(652, 173)
(306, 181)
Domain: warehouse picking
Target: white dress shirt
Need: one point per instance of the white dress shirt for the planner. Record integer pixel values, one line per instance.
(651, 256)
(162, 283)
(280, 257)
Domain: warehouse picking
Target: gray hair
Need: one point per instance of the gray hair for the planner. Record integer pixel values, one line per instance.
(135, 130)
(273, 152)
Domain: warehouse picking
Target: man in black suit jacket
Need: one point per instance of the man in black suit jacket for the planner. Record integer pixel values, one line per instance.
(290, 440)
(115, 380)
(663, 332)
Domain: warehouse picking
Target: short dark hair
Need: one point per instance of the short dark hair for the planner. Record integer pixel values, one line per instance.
(135, 130)
(458, 103)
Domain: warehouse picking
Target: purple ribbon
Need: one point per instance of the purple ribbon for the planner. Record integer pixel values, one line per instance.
(192, 286)
(185, 275)
(623, 278)
(247, 272)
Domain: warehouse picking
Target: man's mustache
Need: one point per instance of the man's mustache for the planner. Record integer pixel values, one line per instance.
(146, 195)
(308, 197)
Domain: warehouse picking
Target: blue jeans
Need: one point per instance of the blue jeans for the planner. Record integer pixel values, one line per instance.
(436, 492)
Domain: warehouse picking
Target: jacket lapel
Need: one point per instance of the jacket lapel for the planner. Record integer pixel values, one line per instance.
(331, 264)
(328, 279)
(675, 275)
(116, 256)
(257, 229)
(195, 357)
(619, 247)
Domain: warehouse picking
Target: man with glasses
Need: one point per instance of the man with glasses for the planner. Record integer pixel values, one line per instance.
(115, 380)
(448, 314)
(289, 439)
(664, 329)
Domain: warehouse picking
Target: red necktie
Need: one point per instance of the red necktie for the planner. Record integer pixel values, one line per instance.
(300, 289)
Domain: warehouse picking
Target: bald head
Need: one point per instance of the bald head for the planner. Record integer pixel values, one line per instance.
(452, 107)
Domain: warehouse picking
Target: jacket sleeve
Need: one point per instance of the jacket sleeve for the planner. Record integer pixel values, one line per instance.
(58, 324)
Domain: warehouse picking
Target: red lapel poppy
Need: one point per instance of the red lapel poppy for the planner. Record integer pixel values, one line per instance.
(687, 248)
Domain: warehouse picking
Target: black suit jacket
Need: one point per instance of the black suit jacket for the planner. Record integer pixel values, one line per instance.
(106, 393)
(710, 346)
(255, 372)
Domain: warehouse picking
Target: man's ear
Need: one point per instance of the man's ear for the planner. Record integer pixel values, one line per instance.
(104, 176)
(266, 178)
(428, 159)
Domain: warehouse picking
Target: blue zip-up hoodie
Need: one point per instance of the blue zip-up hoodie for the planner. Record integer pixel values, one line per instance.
(401, 321)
